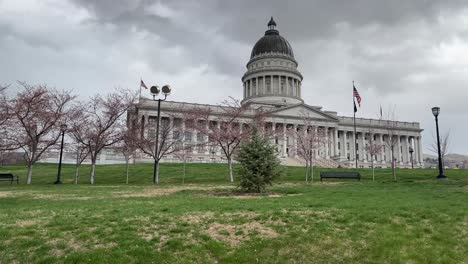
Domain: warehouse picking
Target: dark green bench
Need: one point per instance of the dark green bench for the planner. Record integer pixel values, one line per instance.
(340, 175)
(9, 177)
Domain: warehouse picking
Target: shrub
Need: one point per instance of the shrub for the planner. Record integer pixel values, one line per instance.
(259, 164)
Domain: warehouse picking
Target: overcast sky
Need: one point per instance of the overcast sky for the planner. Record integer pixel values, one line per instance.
(410, 55)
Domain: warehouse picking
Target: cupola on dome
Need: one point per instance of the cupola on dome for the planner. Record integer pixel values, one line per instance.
(272, 42)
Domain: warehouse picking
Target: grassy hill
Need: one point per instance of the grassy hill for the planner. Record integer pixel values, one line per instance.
(417, 219)
(196, 173)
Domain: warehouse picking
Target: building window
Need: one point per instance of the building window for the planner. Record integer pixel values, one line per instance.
(283, 85)
(200, 137)
(268, 84)
(176, 135)
(188, 136)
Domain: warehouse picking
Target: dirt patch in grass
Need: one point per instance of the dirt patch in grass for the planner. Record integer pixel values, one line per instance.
(25, 223)
(198, 218)
(61, 197)
(241, 195)
(147, 192)
(70, 243)
(56, 252)
(5, 194)
(158, 191)
(235, 234)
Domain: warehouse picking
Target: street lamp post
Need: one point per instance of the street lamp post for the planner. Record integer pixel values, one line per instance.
(63, 128)
(411, 156)
(435, 112)
(166, 90)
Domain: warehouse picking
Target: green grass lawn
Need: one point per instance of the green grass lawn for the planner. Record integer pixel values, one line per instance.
(414, 220)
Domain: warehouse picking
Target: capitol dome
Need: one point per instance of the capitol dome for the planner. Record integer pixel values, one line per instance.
(272, 42)
(272, 77)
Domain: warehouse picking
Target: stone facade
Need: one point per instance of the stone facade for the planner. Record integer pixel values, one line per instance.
(272, 81)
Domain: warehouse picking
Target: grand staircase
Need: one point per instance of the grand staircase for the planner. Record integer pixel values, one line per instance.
(318, 162)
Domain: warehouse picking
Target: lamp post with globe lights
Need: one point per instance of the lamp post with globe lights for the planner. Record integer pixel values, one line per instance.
(436, 112)
(155, 91)
(63, 128)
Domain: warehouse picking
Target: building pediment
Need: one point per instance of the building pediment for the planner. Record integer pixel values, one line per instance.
(303, 110)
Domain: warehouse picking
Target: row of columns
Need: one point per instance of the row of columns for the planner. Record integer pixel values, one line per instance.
(401, 147)
(339, 144)
(272, 85)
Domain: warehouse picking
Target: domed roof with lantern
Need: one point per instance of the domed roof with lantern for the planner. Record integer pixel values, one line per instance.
(272, 42)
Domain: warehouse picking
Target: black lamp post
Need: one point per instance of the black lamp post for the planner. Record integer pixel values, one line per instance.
(411, 156)
(435, 112)
(166, 90)
(63, 128)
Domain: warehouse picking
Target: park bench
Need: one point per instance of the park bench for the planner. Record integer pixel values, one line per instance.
(9, 177)
(340, 175)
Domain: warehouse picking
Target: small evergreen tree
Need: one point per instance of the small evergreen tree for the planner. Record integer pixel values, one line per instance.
(259, 164)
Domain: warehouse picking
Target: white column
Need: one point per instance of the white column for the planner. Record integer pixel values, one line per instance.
(327, 138)
(295, 140)
(299, 89)
(352, 147)
(398, 149)
(218, 150)
(284, 140)
(256, 86)
(170, 134)
(344, 145)
(272, 87)
(146, 126)
(245, 87)
(182, 128)
(273, 132)
(207, 147)
(420, 151)
(388, 149)
(406, 159)
(381, 144)
(363, 151)
(335, 142)
(194, 138)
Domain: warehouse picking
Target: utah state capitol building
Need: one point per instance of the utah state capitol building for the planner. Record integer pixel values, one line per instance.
(272, 81)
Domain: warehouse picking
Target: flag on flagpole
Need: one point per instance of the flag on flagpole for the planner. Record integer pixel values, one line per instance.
(356, 95)
(142, 84)
(381, 112)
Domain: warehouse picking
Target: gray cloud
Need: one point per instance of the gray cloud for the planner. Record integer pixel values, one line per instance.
(411, 54)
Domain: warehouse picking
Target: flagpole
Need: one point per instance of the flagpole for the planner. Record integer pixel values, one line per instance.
(141, 79)
(354, 121)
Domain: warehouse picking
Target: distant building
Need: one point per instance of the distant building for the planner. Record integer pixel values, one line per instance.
(272, 81)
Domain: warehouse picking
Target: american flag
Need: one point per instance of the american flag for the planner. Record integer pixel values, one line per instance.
(142, 84)
(357, 96)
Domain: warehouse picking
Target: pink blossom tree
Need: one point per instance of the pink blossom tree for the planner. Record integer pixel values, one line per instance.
(36, 115)
(309, 139)
(224, 127)
(101, 123)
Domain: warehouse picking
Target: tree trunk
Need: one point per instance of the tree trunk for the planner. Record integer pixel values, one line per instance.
(231, 177)
(183, 177)
(29, 175)
(373, 173)
(393, 165)
(77, 168)
(311, 170)
(91, 175)
(307, 171)
(126, 170)
(156, 179)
